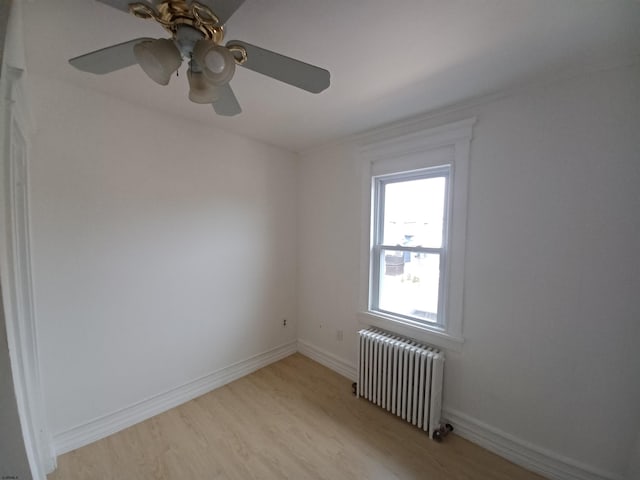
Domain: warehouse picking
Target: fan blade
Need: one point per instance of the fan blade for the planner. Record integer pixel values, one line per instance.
(222, 8)
(227, 105)
(108, 59)
(288, 70)
(124, 4)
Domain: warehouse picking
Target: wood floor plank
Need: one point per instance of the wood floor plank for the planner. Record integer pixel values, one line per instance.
(293, 419)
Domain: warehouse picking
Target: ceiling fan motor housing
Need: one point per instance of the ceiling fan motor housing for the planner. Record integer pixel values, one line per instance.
(173, 14)
(186, 38)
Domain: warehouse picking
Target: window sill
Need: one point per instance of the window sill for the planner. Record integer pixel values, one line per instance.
(421, 333)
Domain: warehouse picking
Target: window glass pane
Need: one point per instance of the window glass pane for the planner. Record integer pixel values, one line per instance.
(414, 212)
(409, 284)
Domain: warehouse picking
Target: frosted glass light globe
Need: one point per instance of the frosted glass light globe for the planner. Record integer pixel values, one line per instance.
(217, 62)
(214, 61)
(158, 58)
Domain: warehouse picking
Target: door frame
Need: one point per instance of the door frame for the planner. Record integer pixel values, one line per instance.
(15, 271)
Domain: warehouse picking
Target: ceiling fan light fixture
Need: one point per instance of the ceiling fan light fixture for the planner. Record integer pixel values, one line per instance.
(197, 34)
(200, 89)
(217, 62)
(158, 58)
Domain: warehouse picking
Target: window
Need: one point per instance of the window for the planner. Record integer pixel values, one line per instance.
(414, 208)
(408, 252)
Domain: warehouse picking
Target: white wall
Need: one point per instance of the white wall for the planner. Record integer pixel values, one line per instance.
(552, 269)
(163, 250)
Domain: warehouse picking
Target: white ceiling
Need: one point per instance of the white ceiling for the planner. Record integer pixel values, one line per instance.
(388, 59)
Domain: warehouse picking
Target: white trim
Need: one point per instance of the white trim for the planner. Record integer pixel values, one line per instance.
(15, 270)
(416, 142)
(520, 452)
(328, 359)
(382, 153)
(111, 423)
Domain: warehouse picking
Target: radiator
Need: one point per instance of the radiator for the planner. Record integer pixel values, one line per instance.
(401, 376)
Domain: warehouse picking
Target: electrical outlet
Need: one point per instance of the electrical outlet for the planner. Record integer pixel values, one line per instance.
(284, 323)
(339, 335)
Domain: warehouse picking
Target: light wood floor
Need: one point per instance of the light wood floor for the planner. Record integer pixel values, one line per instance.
(294, 419)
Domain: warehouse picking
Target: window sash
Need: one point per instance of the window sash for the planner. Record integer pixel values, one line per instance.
(377, 247)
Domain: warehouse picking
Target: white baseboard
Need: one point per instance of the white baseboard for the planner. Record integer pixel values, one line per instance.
(50, 463)
(520, 452)
(329, 360)
(109, 424)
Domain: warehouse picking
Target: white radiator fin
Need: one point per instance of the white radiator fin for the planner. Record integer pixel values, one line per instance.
(401, 376)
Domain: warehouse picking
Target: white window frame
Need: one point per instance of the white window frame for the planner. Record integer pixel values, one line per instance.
(378, 246)
(447, 145)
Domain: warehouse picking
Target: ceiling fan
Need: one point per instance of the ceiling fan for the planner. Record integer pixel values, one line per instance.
(197, 33)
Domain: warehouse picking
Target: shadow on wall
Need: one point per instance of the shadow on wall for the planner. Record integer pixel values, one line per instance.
(13, 457)
(4, 20)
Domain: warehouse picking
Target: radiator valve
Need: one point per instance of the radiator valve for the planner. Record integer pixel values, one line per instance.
(442, 431)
